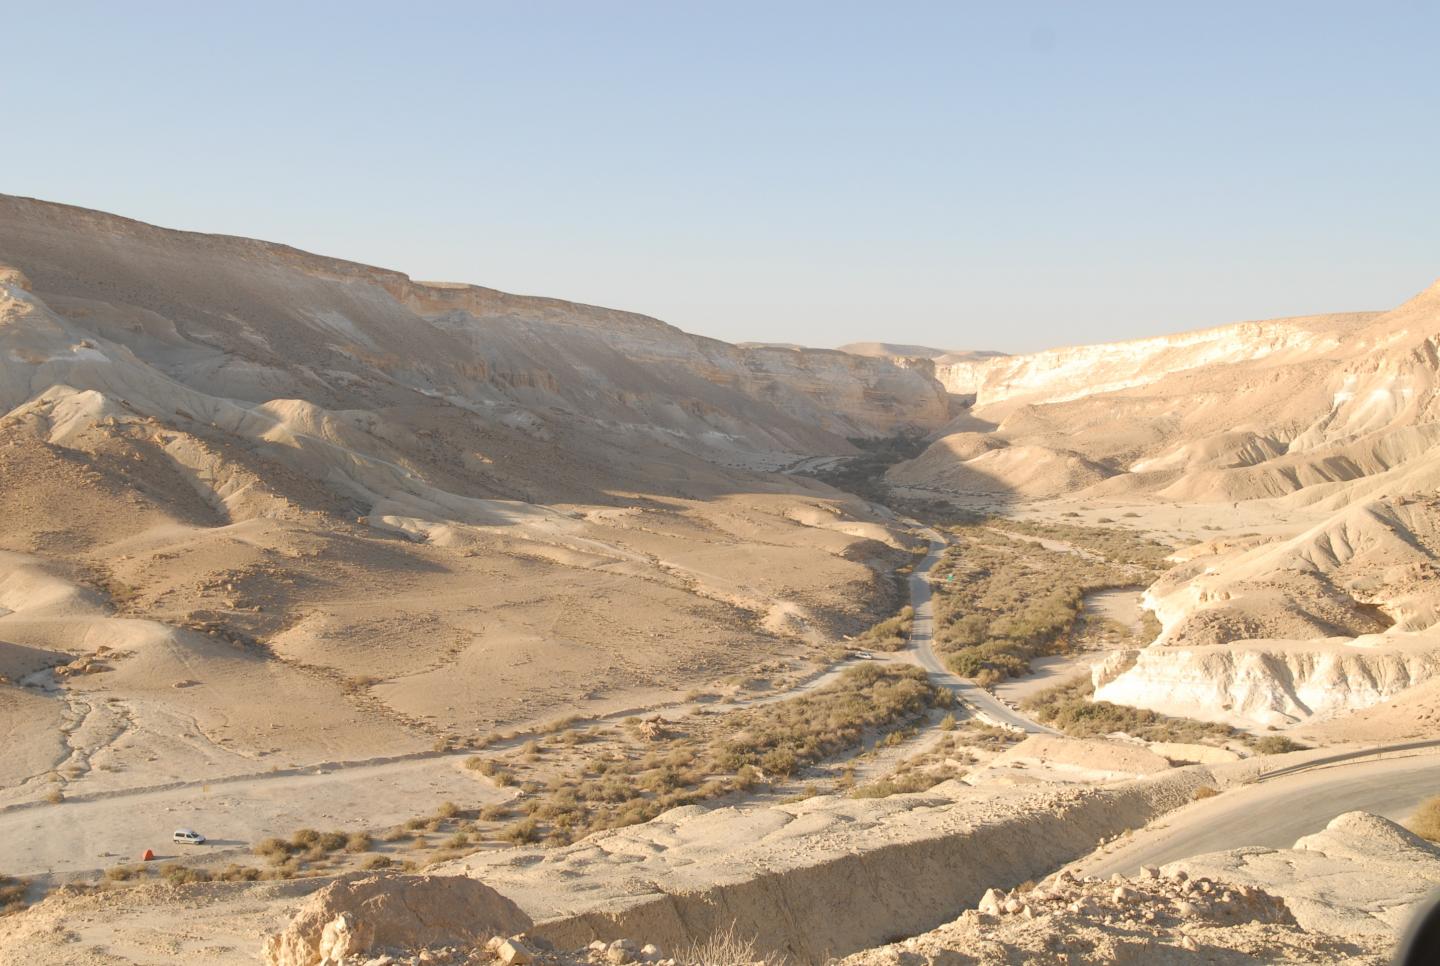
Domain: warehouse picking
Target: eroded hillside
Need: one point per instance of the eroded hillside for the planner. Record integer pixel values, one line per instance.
(405, 513)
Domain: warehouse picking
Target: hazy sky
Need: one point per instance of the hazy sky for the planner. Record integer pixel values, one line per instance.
(992, 175)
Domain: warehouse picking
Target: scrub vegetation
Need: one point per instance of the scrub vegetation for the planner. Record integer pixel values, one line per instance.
(1003, 599)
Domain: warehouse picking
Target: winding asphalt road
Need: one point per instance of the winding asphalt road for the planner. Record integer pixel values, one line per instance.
(979, 702)
(1273, 813)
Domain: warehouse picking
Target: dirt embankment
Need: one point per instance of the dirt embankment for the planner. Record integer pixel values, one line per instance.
(822, 877)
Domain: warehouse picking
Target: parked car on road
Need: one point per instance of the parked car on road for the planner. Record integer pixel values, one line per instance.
(188, 836)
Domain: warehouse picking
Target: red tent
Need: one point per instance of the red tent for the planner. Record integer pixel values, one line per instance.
(149, 856)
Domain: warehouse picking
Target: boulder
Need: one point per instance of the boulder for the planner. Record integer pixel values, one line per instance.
(368, 912)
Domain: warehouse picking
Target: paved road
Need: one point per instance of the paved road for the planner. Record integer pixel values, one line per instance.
(976, 699)
(1275, 812)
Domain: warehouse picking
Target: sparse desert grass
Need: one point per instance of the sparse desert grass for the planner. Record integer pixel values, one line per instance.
(1426, 820)
(239, 873)
(945, 760)
(1118, 545)
(782, 737)
(708, 756)
(914, 782)
(1204, 791)
(307, 846)
(726, 948)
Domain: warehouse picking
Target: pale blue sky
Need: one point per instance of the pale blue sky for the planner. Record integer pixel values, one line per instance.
(999, 175)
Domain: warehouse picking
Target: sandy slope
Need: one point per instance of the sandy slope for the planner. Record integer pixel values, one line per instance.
(284, 509)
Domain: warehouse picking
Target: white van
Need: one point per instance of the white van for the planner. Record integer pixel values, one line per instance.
(188, 836)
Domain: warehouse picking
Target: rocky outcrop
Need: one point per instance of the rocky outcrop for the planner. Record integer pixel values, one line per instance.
(1150, 919)
(357, 915)
(1267, 682)
(1362, 876)
(1056, 375)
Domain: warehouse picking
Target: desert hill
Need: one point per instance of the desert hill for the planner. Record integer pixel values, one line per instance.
(232, 468)
(1329, 421)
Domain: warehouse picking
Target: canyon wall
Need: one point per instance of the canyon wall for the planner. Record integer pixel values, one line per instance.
(256, 321)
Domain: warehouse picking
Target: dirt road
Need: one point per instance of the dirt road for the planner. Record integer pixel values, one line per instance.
(80, 836)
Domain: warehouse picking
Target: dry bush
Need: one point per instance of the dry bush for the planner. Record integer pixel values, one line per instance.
(358, 842)
(1426, 820)
(332, 841)
(726, 948)
(561, 724)
(124, 873)
(1278, 745)
(524, 831)
(1204, 791)
(12, 893)
(494, 813)
(239, 873)
(275, 849)
(377, 862)
(177, 874)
